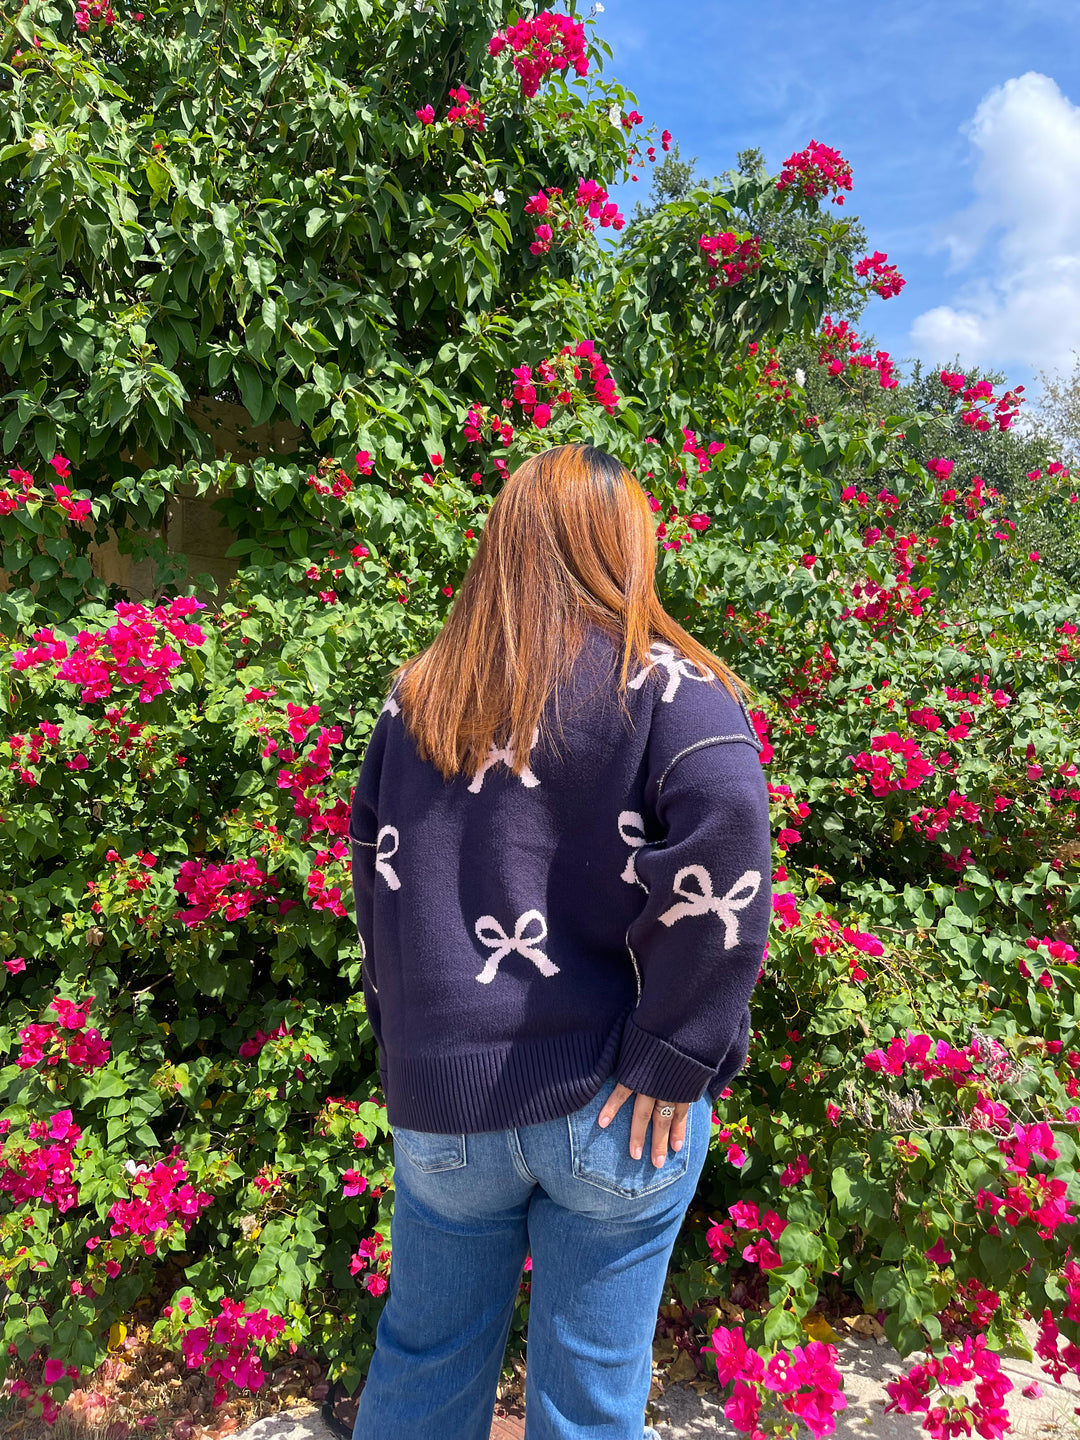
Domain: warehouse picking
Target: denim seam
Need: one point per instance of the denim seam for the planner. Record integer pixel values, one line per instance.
(518, 1157)
(440, 1168)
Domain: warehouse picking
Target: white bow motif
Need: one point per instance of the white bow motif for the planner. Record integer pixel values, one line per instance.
(702, 901)
(495, 754)
(495, 937)
(382, 857)
(632, 831)
(391, 705)
(677, 666)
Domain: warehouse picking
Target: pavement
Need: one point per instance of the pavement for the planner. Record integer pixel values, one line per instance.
(689, 1411)
(685, 1413)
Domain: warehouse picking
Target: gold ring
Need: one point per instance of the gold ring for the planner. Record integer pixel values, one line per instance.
(665, 1110)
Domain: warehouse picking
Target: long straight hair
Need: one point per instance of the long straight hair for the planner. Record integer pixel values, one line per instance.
(569, 542)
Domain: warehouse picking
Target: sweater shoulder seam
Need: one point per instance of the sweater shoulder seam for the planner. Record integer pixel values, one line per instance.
(700, 745)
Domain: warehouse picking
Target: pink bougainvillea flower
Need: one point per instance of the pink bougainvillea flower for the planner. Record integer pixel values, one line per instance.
(69, 1015)
(939, 1253)
(541, 44)
(355, 1183)
(887, 280)
(815, 171)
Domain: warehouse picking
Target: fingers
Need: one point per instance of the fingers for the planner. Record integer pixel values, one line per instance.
(666, 1129)
(613, 1104)
(677, 1135)
(643, 1112)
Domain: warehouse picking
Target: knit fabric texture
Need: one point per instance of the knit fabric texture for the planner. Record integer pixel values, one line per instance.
(524, 937)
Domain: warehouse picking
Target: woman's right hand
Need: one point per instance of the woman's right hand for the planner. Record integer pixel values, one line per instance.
(666, 1129)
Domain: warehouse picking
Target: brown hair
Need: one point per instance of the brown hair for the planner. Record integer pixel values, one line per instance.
(569, 541)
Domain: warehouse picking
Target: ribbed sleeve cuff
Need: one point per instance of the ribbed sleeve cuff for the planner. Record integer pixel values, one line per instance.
(651, 1066)
(733, 1061)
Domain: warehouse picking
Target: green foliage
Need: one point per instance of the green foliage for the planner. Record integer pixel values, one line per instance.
(303, 245)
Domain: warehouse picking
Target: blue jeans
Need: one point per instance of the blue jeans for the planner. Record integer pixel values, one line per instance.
(600, 1227)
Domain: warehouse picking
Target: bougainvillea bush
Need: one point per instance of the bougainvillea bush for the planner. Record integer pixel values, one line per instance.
(294, 212)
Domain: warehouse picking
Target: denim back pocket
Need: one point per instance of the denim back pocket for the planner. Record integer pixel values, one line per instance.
(429, 1152)
(601, 1157)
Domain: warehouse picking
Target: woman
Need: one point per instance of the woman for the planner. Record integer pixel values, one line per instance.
(561, 872)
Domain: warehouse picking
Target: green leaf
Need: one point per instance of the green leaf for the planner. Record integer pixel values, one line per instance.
(799, 1244)
(781, 1325)
(251, 389)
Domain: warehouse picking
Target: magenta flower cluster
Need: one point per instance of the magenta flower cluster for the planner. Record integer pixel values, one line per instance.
(884, 773)
(27, 491)
(887, 280)
(44, 1175)
(603, 386)
(1056, 1362)
(593, 199)
(980, 409)
(862, 941)
(539, 45)
(85, 1048)
(305, 783)
(465, 111)
(740, 257)
(593, 207)
(250, 1048)
(234, 1333)
(134, 651)
(160, 1198)
(815, 171)
(702, 453)
(840, 353)
(971, 1360)
(920, 1053)
(372, 1251)
(805, 1377)
(745, 1215)
(228, 890)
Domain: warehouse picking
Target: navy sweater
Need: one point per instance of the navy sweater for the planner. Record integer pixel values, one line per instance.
(605, 912)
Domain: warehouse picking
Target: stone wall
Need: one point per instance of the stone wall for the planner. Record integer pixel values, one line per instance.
(190, 526)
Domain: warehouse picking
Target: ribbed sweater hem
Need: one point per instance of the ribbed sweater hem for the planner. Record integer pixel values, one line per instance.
(653, 1067)
(501, 1086)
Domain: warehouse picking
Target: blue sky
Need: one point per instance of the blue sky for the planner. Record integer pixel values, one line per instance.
(961, 121)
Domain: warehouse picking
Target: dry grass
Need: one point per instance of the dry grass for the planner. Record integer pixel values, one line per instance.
(144, 1390)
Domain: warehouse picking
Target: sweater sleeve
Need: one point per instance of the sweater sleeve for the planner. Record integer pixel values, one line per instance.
(699, 939)
(363, 838)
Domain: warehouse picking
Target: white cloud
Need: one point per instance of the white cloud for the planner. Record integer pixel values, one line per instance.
(1021, 236)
